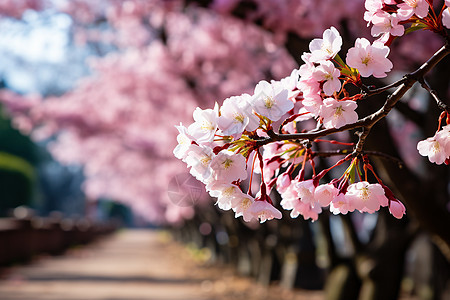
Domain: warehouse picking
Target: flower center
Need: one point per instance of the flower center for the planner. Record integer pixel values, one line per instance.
(183, 140)
(338, 111)
(227, 163)
(205, 160)
(436, 147)
(365, 194)
(245, 204)
(366, 60)
(207, 126)
(239, 117)
(269, 102)
(228, 191)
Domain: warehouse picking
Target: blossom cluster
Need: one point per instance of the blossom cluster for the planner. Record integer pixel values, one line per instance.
(388, 17)
(220, 142)
(227, 143)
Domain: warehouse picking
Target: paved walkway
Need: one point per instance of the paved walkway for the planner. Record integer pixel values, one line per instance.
(131, 265)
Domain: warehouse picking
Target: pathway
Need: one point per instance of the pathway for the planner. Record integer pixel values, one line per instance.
(132, 265)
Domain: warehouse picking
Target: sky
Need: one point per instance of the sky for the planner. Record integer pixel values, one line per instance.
(36, 49)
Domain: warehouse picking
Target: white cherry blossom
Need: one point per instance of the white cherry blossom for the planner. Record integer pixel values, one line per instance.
(271, 100)
(205, 125)
(236, 115)
(184, 142)
(432, 148)
(327, 47)
(199, 158)
(228, 166)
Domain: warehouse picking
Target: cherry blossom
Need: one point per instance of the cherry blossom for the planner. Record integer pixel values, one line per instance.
(446, 17)
(327, 47)
(184, 142)
(325, 193)
(338, 113)
(365, 196)
(228, 166)
(241, 204)
(205, 125)
(443, 136)
(271, 100)
(386, 23)
(236, 116)
(307, 210)
(433, 148)
(305, 190)
(329, 74)
(225, 193)
(199, 158)
(341, 205)
(264, 211)
(369, 59)
(410, 7)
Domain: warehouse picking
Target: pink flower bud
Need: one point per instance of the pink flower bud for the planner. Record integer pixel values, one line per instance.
(397, 209)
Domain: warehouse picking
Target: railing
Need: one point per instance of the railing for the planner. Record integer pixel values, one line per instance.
(25, 237)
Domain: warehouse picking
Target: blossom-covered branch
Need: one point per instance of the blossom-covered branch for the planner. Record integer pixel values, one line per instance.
(220, 139)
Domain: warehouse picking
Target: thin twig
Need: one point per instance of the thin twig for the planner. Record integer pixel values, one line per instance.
(433, 93)
(370, 92)
(347, 151)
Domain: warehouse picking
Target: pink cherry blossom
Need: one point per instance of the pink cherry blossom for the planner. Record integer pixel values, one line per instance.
(241, 204)
(369, 59)
(338, 113)
(307, 210)
(327, 47)
(329, 74)
(365, 196)
(386, 23)
(325, 193)
(264, 211)
(312, 102)
(410, 7)
(305, 190)
(341, 205)
(283, 182)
